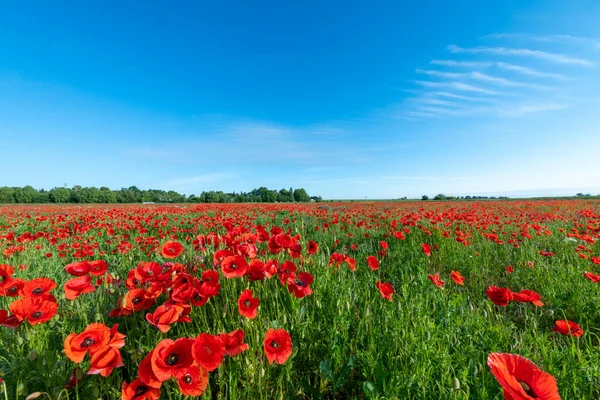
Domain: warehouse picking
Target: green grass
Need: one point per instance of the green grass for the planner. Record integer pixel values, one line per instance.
(348, 341)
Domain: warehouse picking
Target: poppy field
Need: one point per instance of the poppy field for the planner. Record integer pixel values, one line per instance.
(380, 300)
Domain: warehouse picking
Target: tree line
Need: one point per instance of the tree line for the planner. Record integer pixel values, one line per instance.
(88, 195)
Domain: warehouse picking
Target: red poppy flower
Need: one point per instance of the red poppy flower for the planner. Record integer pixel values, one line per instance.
(385, 289)
(399, 235)
(592, 277)
(77, 286)
(568, 328)
(499, 296)
(234, 267)
(93, 338)
(509, 269)
(312, 247)
(300, 286)
(38, 286)
(373, 263)
(435, 279)
(9, 321)
(146, 374)
(234, 342)
(208, 351)
(6, 271)
(248, 305)
(172, 358)
(457, 278)
(98, 267)
(521, 379)
(277, 345)
(35, 310)
(13, 287)
(138, 390)
(426, 248)
(79, 268)
(171, 249)
(104, 361)
(528, 296)
(165, 315)
(193, 381)
(384, 245)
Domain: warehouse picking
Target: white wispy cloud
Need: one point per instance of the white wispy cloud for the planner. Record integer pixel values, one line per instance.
(481, 77)
(462, 64)
(593, 42)
(464, 87)
(520, 110)
(528, 71)
(503, 51)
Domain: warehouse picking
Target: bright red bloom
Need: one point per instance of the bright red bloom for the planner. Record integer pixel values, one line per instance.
(92, 339)
(146, 374)
(435, 279)
(13, 287)
(509, 269)
(208, 351)
(385, 289)
(277, 345)
(77, 286)
(248, 305)
(170, 359)
(528, 296)
(166, 315)
(138, 390)
(384, 245)
(35, 310)
(499, 296)
(426, 248)
(234, 342)
(300, 286)
(6, 272)
(373, 263)
(568, 328)
(171, 249)
(9, 321)
(592, 277)
(193, 381)
(98, 267)
(521, 379)
(312, 247)
(104, 361)
(38, 286)
(234, 267)
(457, 278)
(79, 268)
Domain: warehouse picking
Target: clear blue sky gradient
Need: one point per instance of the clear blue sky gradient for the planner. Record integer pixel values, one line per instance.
(346, 99)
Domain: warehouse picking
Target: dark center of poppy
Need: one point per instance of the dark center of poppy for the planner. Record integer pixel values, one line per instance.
(135, 282)
(136, 300)
(247, 303)
(2, 278)
(149, 273)
(187, 379)
(197, 297)
(299, 282)
(528, 390)
(87, 342)
(140, 390)
(286, 271)
(172, 250)
(172, 359)
(233, 267)
(12, 290)
(37, 314)
(274, 344)
(37, 291)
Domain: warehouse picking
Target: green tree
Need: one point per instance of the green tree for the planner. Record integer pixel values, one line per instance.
(60, 195)
(7, 195)
(424, 197)
(301, 195)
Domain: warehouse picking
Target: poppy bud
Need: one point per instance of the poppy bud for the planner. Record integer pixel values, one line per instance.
(456, 383)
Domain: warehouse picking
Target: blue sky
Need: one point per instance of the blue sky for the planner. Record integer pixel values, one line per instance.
(346, 99)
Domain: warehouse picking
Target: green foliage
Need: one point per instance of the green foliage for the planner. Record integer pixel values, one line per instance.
(90, 195)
